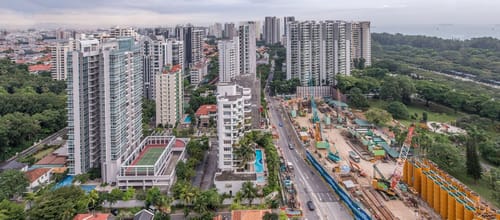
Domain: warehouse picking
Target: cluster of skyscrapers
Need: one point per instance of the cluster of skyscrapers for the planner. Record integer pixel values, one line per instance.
(318, 51)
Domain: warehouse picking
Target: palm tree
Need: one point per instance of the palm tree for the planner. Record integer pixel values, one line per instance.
(249, 191)
(163, 204)
(245, 153)
(93, 200)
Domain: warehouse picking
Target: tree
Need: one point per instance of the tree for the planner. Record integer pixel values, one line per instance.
(93, 199)
(12, 183)
(424, 116)
(249, 191)
(153, 196)
(245, 152)
(129, 194)
(115, 195)
(378, 116)
(62, 203)
(357, 99)
(11, 210)
(271, 216)
(207, 201)
(398, 110)
(472, 159)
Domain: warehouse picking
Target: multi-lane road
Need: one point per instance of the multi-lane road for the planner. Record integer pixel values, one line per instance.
(310, 186)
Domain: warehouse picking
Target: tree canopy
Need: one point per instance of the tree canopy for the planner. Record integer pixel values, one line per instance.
(12, 182)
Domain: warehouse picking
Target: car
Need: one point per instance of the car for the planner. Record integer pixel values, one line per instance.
(354, 156)
(310, 205)
(290, 146)
(280, 124)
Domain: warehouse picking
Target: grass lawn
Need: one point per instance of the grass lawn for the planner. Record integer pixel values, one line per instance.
(40, 154)
(435, 112)
(481, 187)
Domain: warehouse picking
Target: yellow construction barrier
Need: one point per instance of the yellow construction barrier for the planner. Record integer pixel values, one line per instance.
(446, 195)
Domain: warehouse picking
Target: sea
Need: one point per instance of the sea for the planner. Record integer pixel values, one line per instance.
(446, 31)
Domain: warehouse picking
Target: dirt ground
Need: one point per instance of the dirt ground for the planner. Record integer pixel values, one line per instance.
(333, 135)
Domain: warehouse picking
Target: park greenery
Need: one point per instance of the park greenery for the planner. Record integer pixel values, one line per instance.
(477, 58)
(32, 107)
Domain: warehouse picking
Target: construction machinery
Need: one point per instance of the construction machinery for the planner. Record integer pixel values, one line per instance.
(355, 167)
(403, 155)
(382, 184)
(389, 186)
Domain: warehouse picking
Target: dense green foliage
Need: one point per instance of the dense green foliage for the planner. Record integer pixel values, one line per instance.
(32, 107)
(472, 159)
(279, 84)
(195, 149)
(11, 210)
(398, 110)
(479, 57)
(12, 182)
(378, 116)
(357, 99)
(63, 203)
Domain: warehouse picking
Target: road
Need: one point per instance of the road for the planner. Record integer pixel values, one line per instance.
(310, 186)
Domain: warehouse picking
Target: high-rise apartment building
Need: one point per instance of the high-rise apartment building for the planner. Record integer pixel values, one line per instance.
(198, 72)
(58, 59)
(286, 21)
(116, 32)
(104, 105)
(193, 48)
(229, 31)
(174, 53)
(233, 101)
(272, 30)
(229, 59)
(248, 62)
(215, 30)
(361, 42)
(323, 49)
(152, 49)
(169, 96)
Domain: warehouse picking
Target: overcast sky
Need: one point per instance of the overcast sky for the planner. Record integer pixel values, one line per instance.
(104, 13)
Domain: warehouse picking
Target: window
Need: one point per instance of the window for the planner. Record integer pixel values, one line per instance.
(227, 156)
(227, 141)
(227, 149)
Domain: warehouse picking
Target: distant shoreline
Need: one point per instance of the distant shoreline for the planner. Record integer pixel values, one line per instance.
(446, 31)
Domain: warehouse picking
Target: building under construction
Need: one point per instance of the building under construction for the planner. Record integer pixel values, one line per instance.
(446, 195)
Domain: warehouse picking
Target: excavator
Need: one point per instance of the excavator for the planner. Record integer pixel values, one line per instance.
(389, 185)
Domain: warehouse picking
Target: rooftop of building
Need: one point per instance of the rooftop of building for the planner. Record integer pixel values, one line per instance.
(34, 174)
(39, 67)
(53, 159)
(249, 214)
(172, 69)
(12, 165)
(144, 215)
(95, 216)
(232, 176)
(206, 109)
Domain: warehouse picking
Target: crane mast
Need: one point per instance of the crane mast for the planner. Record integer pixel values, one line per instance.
(403, 155)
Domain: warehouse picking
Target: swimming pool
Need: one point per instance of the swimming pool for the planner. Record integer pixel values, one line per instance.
(187, 119)
(68, 181)
(259, 163)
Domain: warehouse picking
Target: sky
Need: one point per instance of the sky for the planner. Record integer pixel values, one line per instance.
(105, 13)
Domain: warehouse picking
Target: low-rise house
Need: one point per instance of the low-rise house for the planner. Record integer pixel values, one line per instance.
(205, 113)
(38, 177)
(95, 216)
(144, 215)
(14, 165)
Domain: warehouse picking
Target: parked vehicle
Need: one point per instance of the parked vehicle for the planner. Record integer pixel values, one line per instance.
(354, 156)
(290, 146)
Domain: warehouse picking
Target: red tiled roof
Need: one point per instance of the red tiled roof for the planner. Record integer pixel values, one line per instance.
(206, 109)
(248, 214)
(171, 69)
(53, 160)
(89, 216)
(39, 67)
(33, 175)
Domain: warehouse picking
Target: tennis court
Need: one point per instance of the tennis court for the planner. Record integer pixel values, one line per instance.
(148, 157)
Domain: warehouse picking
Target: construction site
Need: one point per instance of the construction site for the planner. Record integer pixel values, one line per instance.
(385, 180)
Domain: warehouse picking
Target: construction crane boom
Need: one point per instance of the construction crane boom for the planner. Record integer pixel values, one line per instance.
(403, 155)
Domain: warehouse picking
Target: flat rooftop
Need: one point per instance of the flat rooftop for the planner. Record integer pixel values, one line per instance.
(231, 176)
